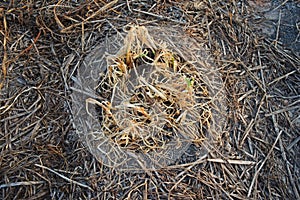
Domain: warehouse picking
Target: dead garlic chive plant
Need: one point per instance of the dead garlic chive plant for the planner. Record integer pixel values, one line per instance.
(151, 96)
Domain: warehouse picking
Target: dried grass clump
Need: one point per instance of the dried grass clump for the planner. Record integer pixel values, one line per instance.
(151, 96)
(152, 99)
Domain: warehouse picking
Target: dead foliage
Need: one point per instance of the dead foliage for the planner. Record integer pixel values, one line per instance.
(151, 98)
(43, 43)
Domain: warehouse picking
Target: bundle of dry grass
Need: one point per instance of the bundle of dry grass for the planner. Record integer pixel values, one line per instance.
(151, 102)
(157, 97)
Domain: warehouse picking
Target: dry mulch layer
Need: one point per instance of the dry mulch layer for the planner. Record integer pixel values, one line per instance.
(255, 48)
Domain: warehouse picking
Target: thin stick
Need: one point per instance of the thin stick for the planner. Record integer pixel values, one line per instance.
(158, 16)
(288, 170)
(247, 131)
(4, 61)
(281, 110)
(278, 28)
(235, 162)
(293, 143)
(280, 5)
(82, 37)
(64, 177)
(128, 6)
(101, 10)
(282, 77)
(22, 183)
(262, 164)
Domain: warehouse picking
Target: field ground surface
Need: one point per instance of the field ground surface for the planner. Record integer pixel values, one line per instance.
(254, 47)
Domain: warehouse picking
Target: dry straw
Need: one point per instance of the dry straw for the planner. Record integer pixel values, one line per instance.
(43, 44)
(152, 100)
